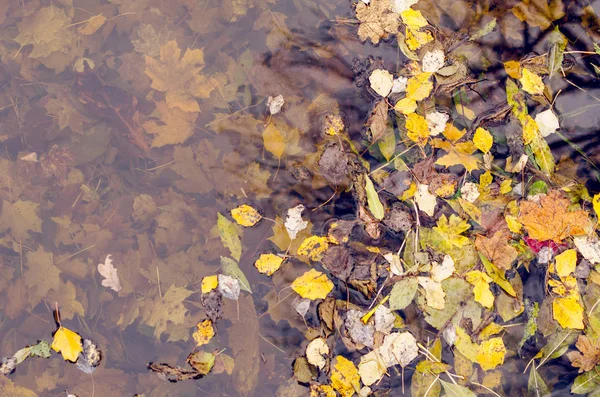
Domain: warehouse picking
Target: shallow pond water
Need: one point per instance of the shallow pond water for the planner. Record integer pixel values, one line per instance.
(127, 126)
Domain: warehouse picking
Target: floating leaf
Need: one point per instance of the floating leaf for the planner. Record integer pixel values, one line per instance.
(532, 83)
(245, 215)
(403, 292)
(313, 247)
(568, 312)
(482, 292)
(373, 201)
(229, 236)
(204, 332)
(68, 343)
(483, 140)
(453, 390)
(313, 285)
(268, 263)
(231, 268)
(381, 82)
(209, 283)
(344, 376)
(536, 387)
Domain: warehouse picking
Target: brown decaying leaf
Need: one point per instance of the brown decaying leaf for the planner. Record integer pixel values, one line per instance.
(588, 355)
(497, 249)
(378, 21)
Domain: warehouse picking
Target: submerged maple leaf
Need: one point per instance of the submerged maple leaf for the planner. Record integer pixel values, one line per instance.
(176, 127)
(588, 355)
(179, 76)
(551, 220)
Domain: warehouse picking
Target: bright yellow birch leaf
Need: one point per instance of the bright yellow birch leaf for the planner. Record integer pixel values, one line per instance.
(451, 229)
(513, 69)
(406, 106)
(209, 283)
(419, 87)
(481, 290)
(505, 187)
(497, 275)
(596, 204)
(513, 223)
(312, 285)
(483, 140)
(344, 377)
(415, 39)
(418, 129)
(491, 353)
(274, 140)
(485, 180)
(566, 262)
(452, 133)
(313, 247)
(245, 215)
(268, 263)
(68, 343)
(204, 332)
(568, 312)
(413, 19)
(532, 83)
(530, 130)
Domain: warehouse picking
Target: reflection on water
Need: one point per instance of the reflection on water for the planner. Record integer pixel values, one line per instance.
(127, 125)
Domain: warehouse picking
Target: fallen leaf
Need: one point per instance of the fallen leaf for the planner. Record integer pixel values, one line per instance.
(483, 140)
(294, 222)
(491, 353)
(454, 390)
(588, 247)
(417, 129)
(175, 126)
(497, 249)
(159, 311)
(209, 283)
(229, 236)
(109, 272)
(406, 106)
(403, 293)
(245, 215)
(268, 263)
(229, 286)
(373, 201)
(566, 262)
(92, 25)
(482, 292)
(201, 361)
(313, 247)
(451, 231)
(588, 355)
(371, 368)
(539, 13)
(381, 82)
(68, 343)
(204, 332)
(413, 18)
(547, 122)
(399, 348)
(377, 21)
(433, 61)
(344, 376)
(419, 87)
(425, 200)
(434, 293)
(317, 352)
(531, 82)
(568, 312)
(20, 217)
(231, 268)
(312, 285)
(274, 104)
(440, 272)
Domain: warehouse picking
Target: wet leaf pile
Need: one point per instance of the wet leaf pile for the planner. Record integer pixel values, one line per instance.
(372, 198)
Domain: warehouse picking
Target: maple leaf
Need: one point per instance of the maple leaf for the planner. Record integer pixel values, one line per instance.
(451, 230)
(551, 220)
(458, 154)
(588, 355)
(169, 308)
(497, 249)
(41, 275)
(68, 343)
(539, 12)
(377, 20)
(179, 76)
(176, 126)
(20, 217)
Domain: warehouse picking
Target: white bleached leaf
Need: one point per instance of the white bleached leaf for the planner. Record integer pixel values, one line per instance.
(425, 200)
(302, 305)
(434, 294)
(315, 352)
(399, 348)
(433, 61)
(229, 286)
(109, 272)
(371, 367)
(588, 247)
(359, 332)
(395, 263)
(399, 84)
(436, 121)
(381, 82)
(440, 272)
(449, 334)
(31, 157)
(402, 5)
(275, 104)
(294, 223)
(384, 320)
(470, 191)
(547, 122)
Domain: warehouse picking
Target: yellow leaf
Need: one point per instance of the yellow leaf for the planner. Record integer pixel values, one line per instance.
(406, 106)
(313, 247)
(204, 332)
(452, 133)
(273, 140)
(498, 276)
(530, 130)
(596, 204)
(532, 83)
(505, 187)
(245, 215)
(268, 263)
(418, 129)
(491, 353)
(483, 140)
(344, 377)
(513, 223)
(373, 201)
(566, 262)
(419, 87)
(464, 111)
(413, 18)
(513, 69)
(451, 230)
(312, 285)
(209, 283)
(410, 192)
(434, 293)
(454, 158)
(415, 39)
(490, 330)
(68, 343)
(485, 180)
(568, 312)
(482, 292)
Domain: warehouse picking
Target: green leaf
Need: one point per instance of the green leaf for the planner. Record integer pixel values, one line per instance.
(537, 187)
(487, 29)
(229, 236)
(596, 69)
(231, 268)
(453, 390)
(543, 154)
(497, 276)
(557, 43)
(597, 48)
(536, 387)
(403, 293)
(387, 142)
(586, 383)
(373, 202)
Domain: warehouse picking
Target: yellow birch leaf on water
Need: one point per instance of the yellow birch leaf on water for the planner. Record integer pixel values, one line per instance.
(513, 69)
(268, 263)
(481, 290)
(483, 140)
(373, 201)
(452, 133)
(596, 205)
(530, 130)
(568, 312)
(209, 283)
(313, 247)
(204, 332)
(245, 215)
(229, 236)
(413, 18)
(464, 111)
(274, 141)
(68, 343)
(497, 275)
(415, 39)
(513, 223)
(505, 187)
(532, 83)
(405, 106)
(418, 129)
(344, 377)
(312, 285)
(419, 87)
(566, 262)
(485, 180)
(491, 353)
